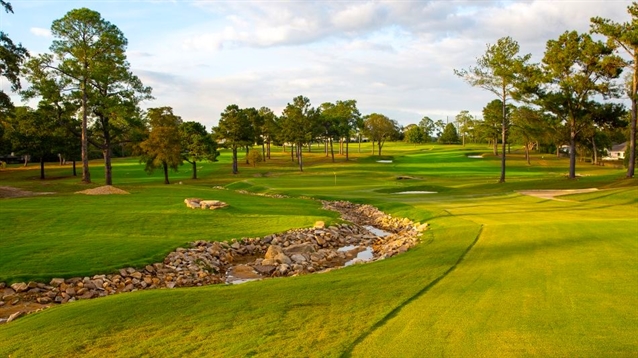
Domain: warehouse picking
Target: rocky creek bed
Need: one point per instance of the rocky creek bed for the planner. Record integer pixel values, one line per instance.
(294, 252)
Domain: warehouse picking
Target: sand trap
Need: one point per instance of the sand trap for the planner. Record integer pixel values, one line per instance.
(475, 156)
(417, 192)
(552, 194)
(102, 190)
(384, 161)
(11, 192)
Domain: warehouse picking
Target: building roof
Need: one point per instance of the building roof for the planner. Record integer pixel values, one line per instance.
(619, 147)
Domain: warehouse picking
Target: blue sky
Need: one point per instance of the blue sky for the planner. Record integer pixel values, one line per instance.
(393, 57)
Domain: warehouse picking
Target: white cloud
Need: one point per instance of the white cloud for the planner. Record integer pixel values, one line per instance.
(38, 31)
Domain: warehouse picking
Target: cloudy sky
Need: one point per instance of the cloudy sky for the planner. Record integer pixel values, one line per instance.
(393, 57)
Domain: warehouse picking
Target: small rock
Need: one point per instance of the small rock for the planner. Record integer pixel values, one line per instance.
(43, 300)
(15, 316)
(20, 287)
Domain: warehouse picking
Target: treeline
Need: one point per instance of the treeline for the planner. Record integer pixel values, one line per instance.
(560, 95)
(89, 100)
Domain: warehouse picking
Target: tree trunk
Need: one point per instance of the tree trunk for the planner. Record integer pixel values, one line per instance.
(86, 175)
(332, 151)
(263, 150)
(74, 171)
(247, 150)
(504, 139)
(495, 146)
(347, 148)
(194, 163)
(26, 159)
(572, 154)
(41, 167)
(325, 146)
(165, 167)
(527, 153)
(359, 143)
(380, 145)
(300, 158)
(61, 160)
(595, 155)
(293, 150)
(235, 168)
(632, 133)
(108, 171)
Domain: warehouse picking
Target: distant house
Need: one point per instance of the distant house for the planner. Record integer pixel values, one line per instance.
(617, 152)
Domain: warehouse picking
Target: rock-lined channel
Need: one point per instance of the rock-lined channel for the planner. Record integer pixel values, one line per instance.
(294, 252)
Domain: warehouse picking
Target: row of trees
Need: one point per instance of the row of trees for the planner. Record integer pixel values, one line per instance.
(564, 88)
(299, 125)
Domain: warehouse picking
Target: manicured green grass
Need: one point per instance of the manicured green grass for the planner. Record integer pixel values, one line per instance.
(565, 285)
(77, 235)
(544, 278)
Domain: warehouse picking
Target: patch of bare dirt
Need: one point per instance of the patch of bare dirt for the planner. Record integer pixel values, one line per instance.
(11, 192)
(103, 190)
(552, 194)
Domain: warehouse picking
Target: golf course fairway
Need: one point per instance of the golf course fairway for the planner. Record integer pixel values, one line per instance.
(498, 273)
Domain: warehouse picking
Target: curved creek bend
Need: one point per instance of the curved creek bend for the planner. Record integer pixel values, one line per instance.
(371, 235)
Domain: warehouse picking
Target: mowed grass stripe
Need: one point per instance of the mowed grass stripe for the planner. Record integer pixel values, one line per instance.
(567, 288)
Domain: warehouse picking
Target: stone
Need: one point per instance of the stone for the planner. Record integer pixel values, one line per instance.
(70, 291)
(269, 262)
(15, 316)
(299, 249)
(265, 269)
(298, 258)
(3, 285)
(283, 269)
(319, 225)
(43, 300)
(20, 287)
(137, 275)
(273, 251)
(283, 259)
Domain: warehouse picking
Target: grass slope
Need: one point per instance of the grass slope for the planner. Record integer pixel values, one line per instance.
(544, 278)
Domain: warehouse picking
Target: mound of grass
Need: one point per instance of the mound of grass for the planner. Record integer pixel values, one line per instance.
(78, 235)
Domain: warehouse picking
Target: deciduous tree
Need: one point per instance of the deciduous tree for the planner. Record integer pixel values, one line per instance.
(163, 146)
(380, 128)
(197, 144)
(234, 131)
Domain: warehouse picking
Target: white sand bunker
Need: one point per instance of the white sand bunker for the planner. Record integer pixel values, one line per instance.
(417, 192)
(102, 190)
(384, 161)
(552, 194)
(475, 156)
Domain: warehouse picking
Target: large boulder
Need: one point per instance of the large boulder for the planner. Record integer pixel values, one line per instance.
(305, 248)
